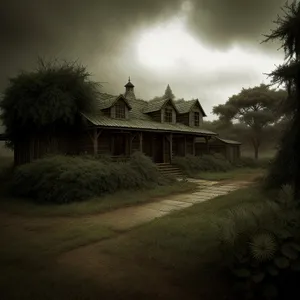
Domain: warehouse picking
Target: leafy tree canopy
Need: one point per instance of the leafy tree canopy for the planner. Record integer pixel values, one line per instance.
(52, 95)
(256, 108)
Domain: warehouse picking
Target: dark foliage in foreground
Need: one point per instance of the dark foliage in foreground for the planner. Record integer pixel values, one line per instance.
(62, 179)
(287, 163)
(261, 247)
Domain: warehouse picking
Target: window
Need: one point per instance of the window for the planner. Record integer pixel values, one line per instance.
(196, 118)
(120, 110)
(168, 115)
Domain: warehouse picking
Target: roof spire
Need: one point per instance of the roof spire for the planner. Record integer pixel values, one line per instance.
(129, 92)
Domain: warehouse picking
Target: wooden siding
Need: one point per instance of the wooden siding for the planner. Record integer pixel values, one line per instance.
(189, 146)
(191, 117)
(183, 119)
(31, 148)
(156, 116)
(135, 142)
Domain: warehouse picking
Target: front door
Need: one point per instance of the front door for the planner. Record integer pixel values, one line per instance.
(119, 144)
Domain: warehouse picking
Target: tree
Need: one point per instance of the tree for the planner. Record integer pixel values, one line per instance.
(256, 108)
(288, 157)
(47, 100)
(169, 93)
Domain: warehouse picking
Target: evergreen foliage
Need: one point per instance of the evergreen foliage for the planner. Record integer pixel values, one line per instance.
(286, 166)
(168, 93)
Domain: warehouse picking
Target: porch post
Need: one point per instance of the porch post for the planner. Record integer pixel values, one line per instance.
(194, 146)
(141, 141)
(184, 145)
(163, 148)
(171, 147)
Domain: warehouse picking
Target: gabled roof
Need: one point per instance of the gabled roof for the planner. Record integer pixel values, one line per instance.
(107, 101)
(185, 106)
(140, 120)
(157, 104)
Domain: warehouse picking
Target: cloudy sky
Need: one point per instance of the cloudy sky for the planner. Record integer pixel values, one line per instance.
(206, 49)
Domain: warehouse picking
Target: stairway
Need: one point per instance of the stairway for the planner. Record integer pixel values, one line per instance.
(168, 169)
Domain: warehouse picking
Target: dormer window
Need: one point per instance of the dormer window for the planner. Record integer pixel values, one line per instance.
(196, 118)
(120, 110)
(168, 115)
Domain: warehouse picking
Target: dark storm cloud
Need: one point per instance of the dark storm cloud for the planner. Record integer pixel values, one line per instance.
(72, 29)
(224, 22)
(100, 31)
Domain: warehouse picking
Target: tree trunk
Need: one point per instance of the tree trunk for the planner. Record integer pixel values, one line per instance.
(256, 151)
(256, 144)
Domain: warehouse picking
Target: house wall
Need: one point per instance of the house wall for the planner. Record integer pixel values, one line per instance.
(183, 119)
(189, 146)
(156, 116)
(34, 147)
(191, 116)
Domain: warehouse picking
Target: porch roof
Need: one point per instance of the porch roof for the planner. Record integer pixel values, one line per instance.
(218, 139)
(134, 123)
(229, 141)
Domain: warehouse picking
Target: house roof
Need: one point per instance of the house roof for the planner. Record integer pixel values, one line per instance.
(184, 106)
(107, 100)
(229, 141)
(157, 104)
(140, 120)
(216, 138)
(128, 84)
(103, 121)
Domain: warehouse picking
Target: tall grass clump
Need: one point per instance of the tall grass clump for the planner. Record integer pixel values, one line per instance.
(63, 179)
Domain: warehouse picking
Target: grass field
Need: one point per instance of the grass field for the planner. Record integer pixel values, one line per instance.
(72, 255)
(95, 205)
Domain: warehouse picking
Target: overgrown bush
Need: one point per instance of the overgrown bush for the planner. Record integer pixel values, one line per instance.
(261, 245)
(195, 164)
(249, 162)
(192, 165)
(62, 179)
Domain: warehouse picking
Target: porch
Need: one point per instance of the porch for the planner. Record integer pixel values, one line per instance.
(160, 147)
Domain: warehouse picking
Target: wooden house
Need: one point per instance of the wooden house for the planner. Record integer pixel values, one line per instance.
(228, 148)
(161, 128)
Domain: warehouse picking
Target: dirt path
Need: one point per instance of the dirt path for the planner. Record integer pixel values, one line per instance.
(127, 218)
(120, 272)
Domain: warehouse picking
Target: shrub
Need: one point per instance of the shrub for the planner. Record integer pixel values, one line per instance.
(195, 164)
(248, 162)
(261, 245)
(62, 179)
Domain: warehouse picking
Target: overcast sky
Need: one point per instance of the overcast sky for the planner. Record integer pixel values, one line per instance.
(206, 49)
